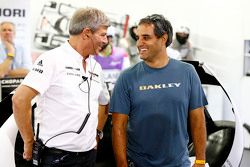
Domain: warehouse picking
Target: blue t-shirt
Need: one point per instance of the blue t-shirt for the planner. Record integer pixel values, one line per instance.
(157, 102)
(21, 59)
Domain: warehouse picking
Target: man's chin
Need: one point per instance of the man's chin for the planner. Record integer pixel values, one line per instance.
(96, 52)
(9, 39)
(143, 57)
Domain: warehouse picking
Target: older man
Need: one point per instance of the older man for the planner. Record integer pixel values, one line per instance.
(70, 89)
(14, 61)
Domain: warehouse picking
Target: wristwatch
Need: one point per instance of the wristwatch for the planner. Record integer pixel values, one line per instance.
(99, 134)
(10, 56)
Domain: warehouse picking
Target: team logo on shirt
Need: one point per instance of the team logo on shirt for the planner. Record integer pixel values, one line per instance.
(37, 70)
(40, 63)
(160, 86)
(72, 68)
(72, 71)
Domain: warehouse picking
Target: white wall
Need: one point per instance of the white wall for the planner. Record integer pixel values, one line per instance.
(218, 29)
(245, 81)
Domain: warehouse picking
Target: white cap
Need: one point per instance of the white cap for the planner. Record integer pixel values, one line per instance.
(111, 31)
(183, 29)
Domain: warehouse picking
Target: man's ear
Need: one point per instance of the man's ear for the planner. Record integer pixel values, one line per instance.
(164, 38)
(86, 32)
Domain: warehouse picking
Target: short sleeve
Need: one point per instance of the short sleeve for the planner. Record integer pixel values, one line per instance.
(197, 95)
(120, 101)
(39, 78)
(104, 96)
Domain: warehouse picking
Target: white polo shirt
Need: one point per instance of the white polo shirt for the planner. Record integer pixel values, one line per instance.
(63, 97)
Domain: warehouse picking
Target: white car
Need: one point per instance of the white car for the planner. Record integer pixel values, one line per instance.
(224, 143)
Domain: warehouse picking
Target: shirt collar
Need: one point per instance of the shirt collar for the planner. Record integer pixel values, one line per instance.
(74, 53)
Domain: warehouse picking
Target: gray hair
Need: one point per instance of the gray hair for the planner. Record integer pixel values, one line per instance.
(87, 18)
(8, 22)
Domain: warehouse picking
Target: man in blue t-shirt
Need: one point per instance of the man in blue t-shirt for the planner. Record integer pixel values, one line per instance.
(154, 101)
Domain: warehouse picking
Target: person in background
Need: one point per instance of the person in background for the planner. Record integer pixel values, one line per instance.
(182, 44)
(14, 62)
(70, 89)
(132, 50)
(113, 60)
(172, 53)
(154, 101)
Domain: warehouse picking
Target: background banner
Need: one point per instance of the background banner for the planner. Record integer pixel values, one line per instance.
(18, 12)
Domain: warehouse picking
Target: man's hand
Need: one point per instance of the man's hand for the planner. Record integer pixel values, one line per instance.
(5, 66)
(27, 153)
(9, 46)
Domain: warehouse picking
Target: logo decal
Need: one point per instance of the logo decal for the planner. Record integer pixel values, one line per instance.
(159, 86)
(38, 70)
(72, 68)
(40, 63)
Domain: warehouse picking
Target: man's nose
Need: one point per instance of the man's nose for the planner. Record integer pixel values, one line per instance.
(139, 42)
(8, 32)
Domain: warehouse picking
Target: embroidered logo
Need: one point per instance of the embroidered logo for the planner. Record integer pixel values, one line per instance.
(38, 70)
(40, 63)
(72, 68)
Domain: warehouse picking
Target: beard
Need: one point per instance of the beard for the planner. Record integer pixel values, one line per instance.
(182, 40)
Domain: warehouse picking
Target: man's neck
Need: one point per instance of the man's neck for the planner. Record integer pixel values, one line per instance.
(78, 46)
(158, 62)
